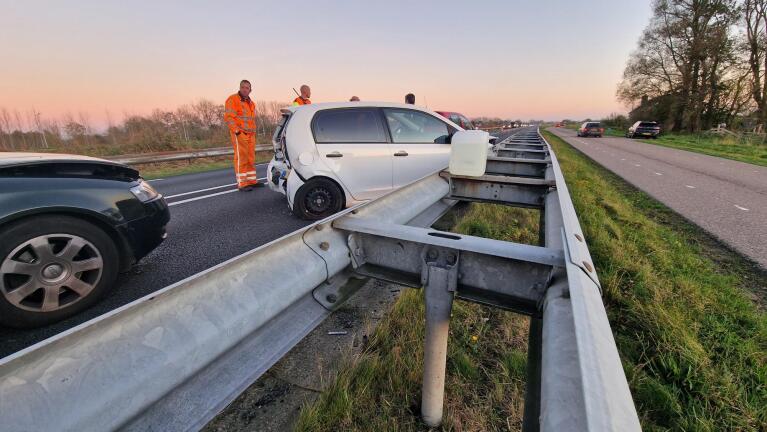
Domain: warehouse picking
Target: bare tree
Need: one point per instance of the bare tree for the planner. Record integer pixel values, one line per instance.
(755, 23)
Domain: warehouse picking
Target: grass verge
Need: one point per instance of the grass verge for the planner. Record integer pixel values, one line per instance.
(743, 150)
(174, 168)
(686, 314)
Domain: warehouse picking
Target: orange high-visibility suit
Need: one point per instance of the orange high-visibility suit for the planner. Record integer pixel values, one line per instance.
(301, 101)
(240, 117)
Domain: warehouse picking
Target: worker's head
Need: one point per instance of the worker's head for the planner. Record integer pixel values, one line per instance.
(245, 88)
(410, 99)
(354, 99)
(306, 92)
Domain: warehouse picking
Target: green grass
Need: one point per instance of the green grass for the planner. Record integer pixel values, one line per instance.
(744, 150)
(169, 169)
(689, 328)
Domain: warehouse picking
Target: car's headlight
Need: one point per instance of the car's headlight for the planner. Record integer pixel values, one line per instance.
(144, 191)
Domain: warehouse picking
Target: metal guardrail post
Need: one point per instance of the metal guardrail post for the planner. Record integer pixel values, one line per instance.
(440, 272)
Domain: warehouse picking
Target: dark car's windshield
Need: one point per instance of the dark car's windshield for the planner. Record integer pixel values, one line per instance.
(648, 124)
(592, 124)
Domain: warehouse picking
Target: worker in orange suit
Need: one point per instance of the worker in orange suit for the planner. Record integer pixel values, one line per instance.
(240, 118)
(303, 98)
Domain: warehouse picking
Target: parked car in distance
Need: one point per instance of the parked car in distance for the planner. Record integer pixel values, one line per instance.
(644, 129)
(68, 225)
(558, 125)
(588, 129)
(331, 156)
(457, 118)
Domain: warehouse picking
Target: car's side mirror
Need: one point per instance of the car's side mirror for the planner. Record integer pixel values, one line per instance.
(468, 153)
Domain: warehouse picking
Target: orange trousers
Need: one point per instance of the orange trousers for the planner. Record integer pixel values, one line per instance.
(244, 158)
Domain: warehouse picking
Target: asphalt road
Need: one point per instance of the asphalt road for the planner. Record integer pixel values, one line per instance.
(210, 222)
(725, 197)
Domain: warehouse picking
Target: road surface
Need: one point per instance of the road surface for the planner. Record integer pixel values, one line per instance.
(724, 197)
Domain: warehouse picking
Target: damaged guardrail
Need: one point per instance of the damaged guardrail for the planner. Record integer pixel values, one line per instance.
(173, 359)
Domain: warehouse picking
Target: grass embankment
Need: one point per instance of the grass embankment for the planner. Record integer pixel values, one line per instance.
(691, 335)
(174, 168)
(749, 150)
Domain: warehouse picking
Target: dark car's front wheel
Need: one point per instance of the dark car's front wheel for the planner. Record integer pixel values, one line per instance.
(52, 267)
(318, 199)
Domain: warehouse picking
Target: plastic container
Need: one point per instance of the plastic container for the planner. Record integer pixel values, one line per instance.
(468, 153)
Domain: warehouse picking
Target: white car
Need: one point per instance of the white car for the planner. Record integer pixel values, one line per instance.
(333, 155)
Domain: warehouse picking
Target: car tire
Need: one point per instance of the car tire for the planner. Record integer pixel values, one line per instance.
(318, 199)
(41, 256)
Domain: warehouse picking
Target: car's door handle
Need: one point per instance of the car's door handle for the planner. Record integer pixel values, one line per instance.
(335, 154)
(401, 153)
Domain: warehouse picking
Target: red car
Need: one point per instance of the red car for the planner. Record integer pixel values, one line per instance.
(458, 119)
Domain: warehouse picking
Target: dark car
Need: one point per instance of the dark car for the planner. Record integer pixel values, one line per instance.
(458, 119)
(644, 129)
(588, 129)
(68, 225)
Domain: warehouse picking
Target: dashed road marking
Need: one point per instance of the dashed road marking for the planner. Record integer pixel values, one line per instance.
(740, 208)
(657, 173)
(636, 165)
(689, 186)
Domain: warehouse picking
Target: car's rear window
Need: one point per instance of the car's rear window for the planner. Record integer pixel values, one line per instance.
(648, 124)
(353, 125)
(592, 124)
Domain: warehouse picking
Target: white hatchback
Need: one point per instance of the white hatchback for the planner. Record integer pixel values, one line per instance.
(333, 155)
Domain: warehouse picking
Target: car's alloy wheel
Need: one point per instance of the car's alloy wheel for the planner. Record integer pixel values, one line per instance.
(50, 272)
(52, 267)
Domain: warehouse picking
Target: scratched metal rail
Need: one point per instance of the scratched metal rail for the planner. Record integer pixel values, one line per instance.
(174, 359)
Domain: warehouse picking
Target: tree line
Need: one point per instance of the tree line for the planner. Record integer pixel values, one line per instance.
(196, 125)
(700, 63)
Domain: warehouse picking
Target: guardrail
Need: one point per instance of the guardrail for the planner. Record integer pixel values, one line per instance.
(169, 156)
(172, 360)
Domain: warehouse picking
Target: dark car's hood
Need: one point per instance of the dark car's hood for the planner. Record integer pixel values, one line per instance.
(65, 165)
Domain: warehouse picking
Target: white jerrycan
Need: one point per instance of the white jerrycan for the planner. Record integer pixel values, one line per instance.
(468, 153)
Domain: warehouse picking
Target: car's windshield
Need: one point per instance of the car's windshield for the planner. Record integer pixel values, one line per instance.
(592, 125)
(648, 124)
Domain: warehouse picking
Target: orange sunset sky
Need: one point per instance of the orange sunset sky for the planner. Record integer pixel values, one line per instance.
(512, 59)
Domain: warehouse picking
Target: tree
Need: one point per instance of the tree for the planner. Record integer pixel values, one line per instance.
(755, 24)
(684, 58)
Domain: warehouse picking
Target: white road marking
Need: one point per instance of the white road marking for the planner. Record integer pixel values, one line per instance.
(636, 165)
(154, 180)
(198, 191)
(206, 196)
(657, 173)
(623, 159)
(201, 197)
(741, 208)
(691, 187)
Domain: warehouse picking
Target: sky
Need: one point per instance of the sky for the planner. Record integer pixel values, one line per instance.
(547, 59)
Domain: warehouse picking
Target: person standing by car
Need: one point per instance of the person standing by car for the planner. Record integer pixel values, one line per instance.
(240, 118)
(303, 98)
(410, 99)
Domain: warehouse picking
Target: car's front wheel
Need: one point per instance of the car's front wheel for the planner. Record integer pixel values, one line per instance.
(52, 267)
(318, 199)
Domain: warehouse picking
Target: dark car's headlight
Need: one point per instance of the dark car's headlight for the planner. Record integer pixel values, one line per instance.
(144, 191)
